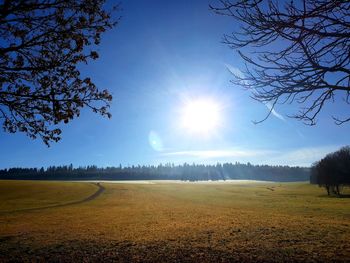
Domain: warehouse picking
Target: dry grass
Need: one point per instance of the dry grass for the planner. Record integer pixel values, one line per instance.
(175, 223)
(23, 195)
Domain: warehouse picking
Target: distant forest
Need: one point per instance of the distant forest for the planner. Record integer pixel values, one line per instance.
(185, 172)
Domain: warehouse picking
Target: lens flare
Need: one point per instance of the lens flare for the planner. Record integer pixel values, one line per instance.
(155, 141)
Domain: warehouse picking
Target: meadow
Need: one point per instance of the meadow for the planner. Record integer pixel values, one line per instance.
(172, 222)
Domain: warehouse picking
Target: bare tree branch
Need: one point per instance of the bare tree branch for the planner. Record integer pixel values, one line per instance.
(299, 51)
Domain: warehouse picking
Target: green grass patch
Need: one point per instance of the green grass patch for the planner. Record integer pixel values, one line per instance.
(23, 195)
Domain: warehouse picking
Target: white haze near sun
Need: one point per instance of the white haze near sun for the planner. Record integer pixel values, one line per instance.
(197, 118)
(200, 116)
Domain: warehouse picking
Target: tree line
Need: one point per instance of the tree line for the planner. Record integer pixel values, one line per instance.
(168, 171)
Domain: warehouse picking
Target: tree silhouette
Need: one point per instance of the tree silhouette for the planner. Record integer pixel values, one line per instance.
(41, 44)
(333, 171)
(299, 52)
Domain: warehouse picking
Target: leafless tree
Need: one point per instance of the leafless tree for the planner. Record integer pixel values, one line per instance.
(41, 44)
(299, 52)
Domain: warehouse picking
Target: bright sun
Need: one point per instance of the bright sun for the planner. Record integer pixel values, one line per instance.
(201, 116)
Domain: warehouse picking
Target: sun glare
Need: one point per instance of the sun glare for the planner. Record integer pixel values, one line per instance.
(201, 116)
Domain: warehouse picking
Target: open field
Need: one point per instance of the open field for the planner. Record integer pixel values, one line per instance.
(172, 222)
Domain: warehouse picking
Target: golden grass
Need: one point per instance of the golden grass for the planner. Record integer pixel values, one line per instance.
(175, 222)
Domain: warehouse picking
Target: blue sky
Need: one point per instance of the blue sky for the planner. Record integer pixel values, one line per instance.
(161, 54)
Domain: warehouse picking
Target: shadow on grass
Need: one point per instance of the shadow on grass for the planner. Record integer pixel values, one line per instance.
(156, 251)
(344, 196)
(100, 190)
(335, 196)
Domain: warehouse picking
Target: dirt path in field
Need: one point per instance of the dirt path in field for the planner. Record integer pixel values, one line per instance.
(100, 190)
